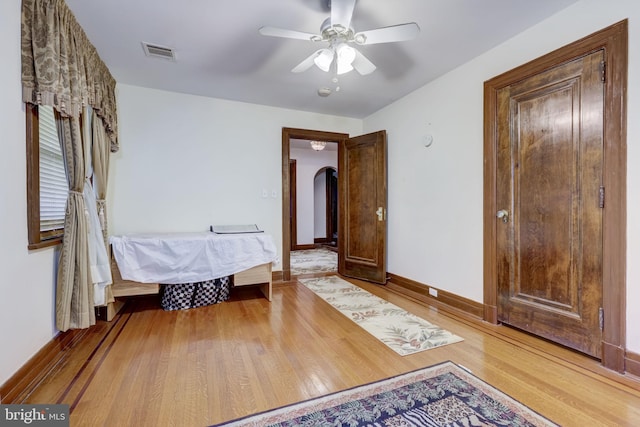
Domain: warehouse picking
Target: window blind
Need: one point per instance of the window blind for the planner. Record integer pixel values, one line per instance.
(53, 181)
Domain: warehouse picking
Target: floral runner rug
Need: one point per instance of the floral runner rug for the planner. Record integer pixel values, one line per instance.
(440, 395)
(319, 260)
(400, 330)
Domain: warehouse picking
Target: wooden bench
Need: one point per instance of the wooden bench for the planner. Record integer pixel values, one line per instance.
(258, 275)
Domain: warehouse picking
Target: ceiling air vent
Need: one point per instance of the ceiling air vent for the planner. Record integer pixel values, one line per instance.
(155, 51)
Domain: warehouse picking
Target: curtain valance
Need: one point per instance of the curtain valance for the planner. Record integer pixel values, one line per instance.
(60, 66)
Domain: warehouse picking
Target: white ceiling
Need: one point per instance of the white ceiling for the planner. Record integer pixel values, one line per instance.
(220, 54)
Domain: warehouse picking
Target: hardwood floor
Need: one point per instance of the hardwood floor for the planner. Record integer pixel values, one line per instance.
(149, 367)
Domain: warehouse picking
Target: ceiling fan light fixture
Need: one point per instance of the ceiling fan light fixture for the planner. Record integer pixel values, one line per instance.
(345, 55)
(343, 68)
(324, 59)
(339, 57)
(318, 145)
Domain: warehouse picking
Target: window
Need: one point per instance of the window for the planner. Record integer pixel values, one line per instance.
(47, 187)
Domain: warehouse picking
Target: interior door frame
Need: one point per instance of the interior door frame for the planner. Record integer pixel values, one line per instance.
(614, 41)
(287, 135)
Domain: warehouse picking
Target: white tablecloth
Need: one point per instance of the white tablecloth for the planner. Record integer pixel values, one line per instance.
(173, 258)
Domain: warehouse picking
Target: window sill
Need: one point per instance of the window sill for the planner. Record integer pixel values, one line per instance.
(45, 243)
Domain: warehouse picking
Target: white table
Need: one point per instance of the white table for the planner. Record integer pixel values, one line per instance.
(172, 258)
(143, 261)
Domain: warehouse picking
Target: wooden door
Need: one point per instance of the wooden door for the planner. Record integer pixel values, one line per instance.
(362, 177)
(332, 206)
(550, 200)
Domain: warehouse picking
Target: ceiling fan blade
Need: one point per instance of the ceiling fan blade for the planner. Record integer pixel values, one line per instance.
(362, 64)
(394, 33)
(288, 34)
(306, 63)
(341, 13)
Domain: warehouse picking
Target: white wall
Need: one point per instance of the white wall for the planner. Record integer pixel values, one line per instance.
(308, 163)
(26, 288)
(435, 194)
(187, 162)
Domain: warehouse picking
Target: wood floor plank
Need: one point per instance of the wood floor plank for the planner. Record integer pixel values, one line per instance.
(198, 367)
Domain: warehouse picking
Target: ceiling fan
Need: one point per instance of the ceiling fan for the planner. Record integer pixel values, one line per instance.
(336, 30)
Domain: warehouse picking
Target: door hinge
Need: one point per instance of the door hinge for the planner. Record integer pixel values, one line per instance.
(601, 318)
(601, 197)
(603, 71)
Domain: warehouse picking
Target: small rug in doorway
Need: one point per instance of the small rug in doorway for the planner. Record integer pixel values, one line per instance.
(319, 260)
(403, 332)
(440, 395)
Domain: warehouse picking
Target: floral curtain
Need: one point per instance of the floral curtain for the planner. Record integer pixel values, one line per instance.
(62, 69)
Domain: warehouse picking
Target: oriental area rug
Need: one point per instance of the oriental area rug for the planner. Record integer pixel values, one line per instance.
(403, 332)
(318, 260)
(440, 395)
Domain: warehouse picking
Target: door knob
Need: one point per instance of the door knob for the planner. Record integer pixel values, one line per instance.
(503, 215)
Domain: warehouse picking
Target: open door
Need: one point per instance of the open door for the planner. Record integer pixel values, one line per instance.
(362, 178)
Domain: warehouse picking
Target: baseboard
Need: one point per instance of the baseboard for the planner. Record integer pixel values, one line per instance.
(446, 300)
(629, 362)
(613, 357)
(632, 363)
(276, 276)
(17, 388)
(303, 247)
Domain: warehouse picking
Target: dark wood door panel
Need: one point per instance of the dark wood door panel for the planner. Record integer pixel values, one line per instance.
(546, 190)
(332, 206)
(613, 42)
(361, 218)
(549, 162)
(363, 192)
